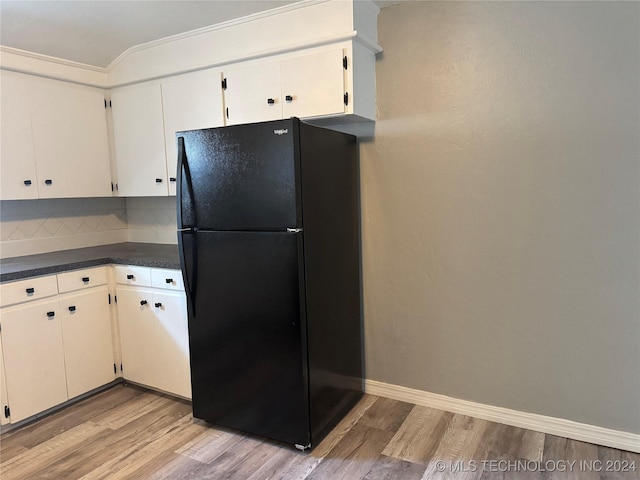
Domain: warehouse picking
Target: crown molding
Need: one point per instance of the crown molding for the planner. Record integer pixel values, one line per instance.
(50, 59)
(212, 28)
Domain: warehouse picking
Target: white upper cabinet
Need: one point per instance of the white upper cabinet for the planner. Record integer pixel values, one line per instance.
(17, 163)
(313, 85)
(70, 139)
(189, 102)
(54, 139)
(252, 93)
(138, 131)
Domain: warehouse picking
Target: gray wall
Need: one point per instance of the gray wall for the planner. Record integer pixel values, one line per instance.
(501, 207)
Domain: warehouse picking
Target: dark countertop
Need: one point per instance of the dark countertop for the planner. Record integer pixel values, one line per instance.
(142, 254)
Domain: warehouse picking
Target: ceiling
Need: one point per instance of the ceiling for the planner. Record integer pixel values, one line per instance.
(97, 32)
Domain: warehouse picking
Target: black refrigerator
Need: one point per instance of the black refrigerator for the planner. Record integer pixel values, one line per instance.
(269, 241)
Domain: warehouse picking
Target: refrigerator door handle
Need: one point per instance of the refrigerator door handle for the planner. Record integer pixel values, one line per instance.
(183, 167)
(294, 230)
(189, 275)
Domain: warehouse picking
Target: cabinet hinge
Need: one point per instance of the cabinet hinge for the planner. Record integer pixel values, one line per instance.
(115, 298)
(227, 112)
(109, 298)
(109, 103)
(105, 103)
(224, 83)
(120, 367)
(112, 186)
(346, 98)
(115, 369)
(116, 187)
(7, 411)
(344, 62)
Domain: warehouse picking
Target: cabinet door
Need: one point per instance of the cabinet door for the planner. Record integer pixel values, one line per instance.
(189, 102)
(70, 139)
(313, 85)
(88, 348)
(138, 132)
(17, 163)
(33, 358)
(172, 343)
(249, 93)
(137, 331)
(4, 401)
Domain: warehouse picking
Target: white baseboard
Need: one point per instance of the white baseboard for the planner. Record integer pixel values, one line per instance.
(532, 421)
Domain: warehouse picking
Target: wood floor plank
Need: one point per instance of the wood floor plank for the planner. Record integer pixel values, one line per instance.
(618, 464)
(355, 455)
(419, 435)
(388, 468)
(210, 444)
(386, 414)
(459, 445)
(559, 449)
(147, 460)
(102, 449)
(48, 452)
(138, 407)
(7, 452)
(42, 430)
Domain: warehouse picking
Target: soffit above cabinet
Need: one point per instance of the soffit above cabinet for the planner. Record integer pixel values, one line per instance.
(293, 26)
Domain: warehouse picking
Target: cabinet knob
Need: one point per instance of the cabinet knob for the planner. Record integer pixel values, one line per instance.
(129, 277)
(289, 98)
(158, 180)
(30, 290)
(85, 279)
(270, 101)
(48, 181)
(72, 308)
(168, 280)
(158, 305)
(172, 179)
(51, 314)
(27, 182)
(143, 302)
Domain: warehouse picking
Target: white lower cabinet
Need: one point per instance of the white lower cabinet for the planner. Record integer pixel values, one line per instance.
(86, 335)
(33, 358)
(154, 336)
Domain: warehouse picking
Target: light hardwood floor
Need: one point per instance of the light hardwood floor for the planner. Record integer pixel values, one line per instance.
(127, 432)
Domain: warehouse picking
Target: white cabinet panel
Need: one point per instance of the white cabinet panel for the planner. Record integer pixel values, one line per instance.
(137, 325)
(313, 85)
(253, 93)
(81, 279)
(129, 275)
(33, 358)
(17, 162)
(189, 102)
(4, 401)
(26, 290)
(172, 343)
(70, 139)
(86, 333)
(138, 131)
(165, 278)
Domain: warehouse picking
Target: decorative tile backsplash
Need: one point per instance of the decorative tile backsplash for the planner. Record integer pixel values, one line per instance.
(36, 226)
(28, 219)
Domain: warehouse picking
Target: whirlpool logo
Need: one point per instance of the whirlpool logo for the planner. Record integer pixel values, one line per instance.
(281, 131)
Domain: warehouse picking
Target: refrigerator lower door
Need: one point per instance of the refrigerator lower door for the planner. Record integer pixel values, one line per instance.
(248, 357)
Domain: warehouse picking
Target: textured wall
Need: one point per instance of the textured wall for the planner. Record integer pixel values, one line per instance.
(501, 207)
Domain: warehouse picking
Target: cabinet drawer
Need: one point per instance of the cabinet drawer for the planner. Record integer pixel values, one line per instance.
(26, 290)
(170, 279)
(127, 275)
(79, 279)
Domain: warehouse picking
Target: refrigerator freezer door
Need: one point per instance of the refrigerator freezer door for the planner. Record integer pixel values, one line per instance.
(242, 177)
(248, 360)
